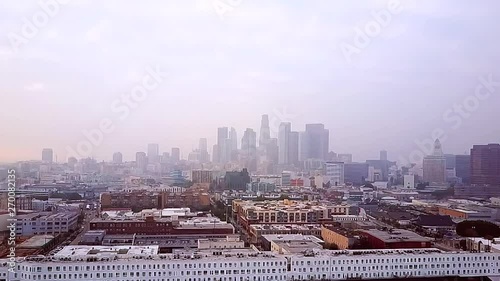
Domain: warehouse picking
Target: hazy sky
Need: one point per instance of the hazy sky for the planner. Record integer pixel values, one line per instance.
(228, 65)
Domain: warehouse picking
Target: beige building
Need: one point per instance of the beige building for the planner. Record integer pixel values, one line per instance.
(342, 238)
(230, 242)
(285, 211)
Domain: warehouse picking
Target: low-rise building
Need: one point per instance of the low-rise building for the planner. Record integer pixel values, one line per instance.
(285, 211)
(459, 214)
(435, 222)
(256, 231)
(340, 237)
(221, 243)
(394, 239)
(291, 243)
(152, 226)
(46, 223)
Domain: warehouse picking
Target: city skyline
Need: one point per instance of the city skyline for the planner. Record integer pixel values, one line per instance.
(159, 148)
(408, 84)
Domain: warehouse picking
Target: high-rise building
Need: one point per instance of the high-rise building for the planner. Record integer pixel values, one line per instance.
(355, 173)
(303, 146)
(318, 139)
(273, 150)
(293, 148)
(153, 153)
(434, 165)
(215, 153)
(117, 158)
(334, 173)
(203, 146)
(72, 161)
(450, 161)
(283, 142)
(176, 154)
(222, 136)
(462, 167)
(203, 149)
(409, 181)
(249, 149)
(383, 155)
(344, 157)
(264, 138)
(485, 164)
(201, 176)
(141, 161)
(233, 145)
(165, 157)
(265, 131)
(47, 155)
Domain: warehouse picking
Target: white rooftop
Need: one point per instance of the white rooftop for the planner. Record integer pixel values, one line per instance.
(106, 251)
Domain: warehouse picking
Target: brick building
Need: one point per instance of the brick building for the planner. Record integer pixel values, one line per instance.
(152, 226)
(394, 239)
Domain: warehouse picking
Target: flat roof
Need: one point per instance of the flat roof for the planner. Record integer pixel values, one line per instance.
(292, 237)
(340, 230)
(105, 251)
(397, 235)
(295, 247)
(37, 241)
(286, 226)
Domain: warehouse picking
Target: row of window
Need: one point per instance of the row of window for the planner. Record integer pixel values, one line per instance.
(398, 260)
(392, 274)
(151, 266)
(389, 267)
(198, 275)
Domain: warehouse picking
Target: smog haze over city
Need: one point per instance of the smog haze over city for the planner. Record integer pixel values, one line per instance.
(390, 75)
(249, 140)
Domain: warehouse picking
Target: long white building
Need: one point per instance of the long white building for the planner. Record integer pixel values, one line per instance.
(127, 263)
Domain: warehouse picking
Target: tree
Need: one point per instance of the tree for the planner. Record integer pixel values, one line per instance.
(478, 229)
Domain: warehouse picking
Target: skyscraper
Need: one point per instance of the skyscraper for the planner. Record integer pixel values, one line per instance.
(303, 146)
(249, 149)
(264, 138)
(117, 158)
(47, 155)
(141, 161)
(222, 136)
(318, 139)
(273, 150)
(462, 167)
(215, 153)
(434, 165)
(293, 148)
(203, 148)
(451, 161)
(485, 164)
(283, 142)
(153, 153)
(165, 157)
(265, 132)
(233, 142)
(383, 155)
(176, 154)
